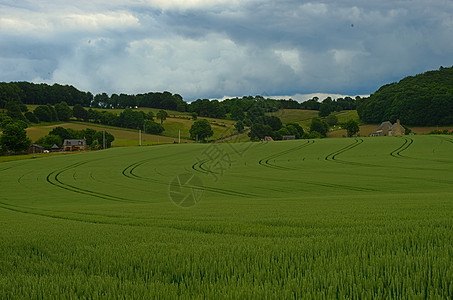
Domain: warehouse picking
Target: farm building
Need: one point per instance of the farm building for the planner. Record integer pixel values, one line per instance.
(74, 145)
(389, 129)
(55, 148)
(35, 148)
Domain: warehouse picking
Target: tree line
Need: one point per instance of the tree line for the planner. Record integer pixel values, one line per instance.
(43, 94)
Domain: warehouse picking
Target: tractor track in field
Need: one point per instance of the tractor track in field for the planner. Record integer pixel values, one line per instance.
(197, 167)
(265, 162)
(129, 173)
(53, 179)
(397, 152)
(19, 179)
(332, 156)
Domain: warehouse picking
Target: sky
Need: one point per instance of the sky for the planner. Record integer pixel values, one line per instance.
(217, 48)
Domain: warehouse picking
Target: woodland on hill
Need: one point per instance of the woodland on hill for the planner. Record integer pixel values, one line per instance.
(424, 100)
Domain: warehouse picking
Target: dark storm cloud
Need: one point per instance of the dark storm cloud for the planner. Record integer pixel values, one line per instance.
(215, 48)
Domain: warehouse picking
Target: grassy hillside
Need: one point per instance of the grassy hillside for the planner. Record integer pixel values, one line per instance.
(330, 218)
(294, 115)
(177, 123)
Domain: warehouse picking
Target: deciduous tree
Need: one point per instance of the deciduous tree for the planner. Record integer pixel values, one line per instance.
(14, 138)
(162, 116)
(201, 129)
(352, 127)
(64, 112)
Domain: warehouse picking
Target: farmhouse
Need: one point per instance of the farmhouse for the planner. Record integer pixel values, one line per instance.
(35, 148)
(389, 129)
(74, 145)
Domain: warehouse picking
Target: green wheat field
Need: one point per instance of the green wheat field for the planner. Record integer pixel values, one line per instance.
(331, 218)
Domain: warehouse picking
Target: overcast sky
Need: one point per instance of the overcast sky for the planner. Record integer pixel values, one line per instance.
(216, 48)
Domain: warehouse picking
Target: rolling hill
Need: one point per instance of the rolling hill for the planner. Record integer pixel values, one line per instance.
(422, 100)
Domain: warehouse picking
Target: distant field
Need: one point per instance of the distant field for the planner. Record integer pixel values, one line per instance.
(346, 115)
(362, 218)
(294, 115)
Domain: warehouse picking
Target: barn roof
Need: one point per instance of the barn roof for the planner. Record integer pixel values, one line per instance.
(382, 126)
(74, 143)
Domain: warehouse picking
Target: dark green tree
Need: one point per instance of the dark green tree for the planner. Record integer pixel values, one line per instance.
(43, 114)
(258, 131)
(283, 131)
(274, 122)
(319, 126)
(332, 120)
(94, 115)
(130, 119)
(162, 116)
(14, 111)
(295, 129)
(31, 117)
(201, 130)
(352, 127)
(152, 127)
(49, 140)
(89, 135)
(150, 116)
(99, 138)
(64, 112)
(325, 109)
(239, 125)
(237, 113)
(14, 138)
(5, 121)
(79, 112)
(53, 113)
(63, 133)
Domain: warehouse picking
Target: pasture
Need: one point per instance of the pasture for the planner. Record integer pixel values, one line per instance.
(331, 218)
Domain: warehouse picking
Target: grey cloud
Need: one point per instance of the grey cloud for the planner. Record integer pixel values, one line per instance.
(247, 47)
